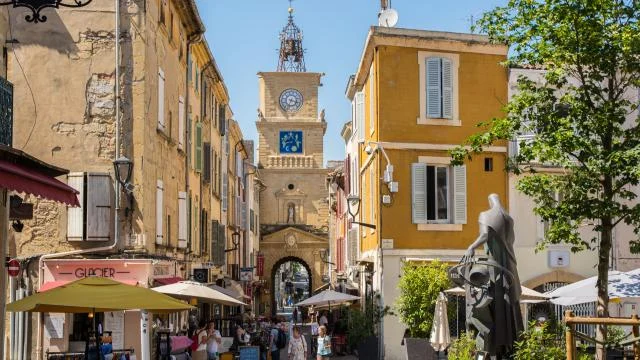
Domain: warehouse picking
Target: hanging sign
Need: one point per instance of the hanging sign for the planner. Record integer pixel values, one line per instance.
(260, 267)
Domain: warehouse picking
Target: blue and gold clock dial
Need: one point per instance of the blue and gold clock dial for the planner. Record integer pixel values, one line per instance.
(291, 142)
(291, 100)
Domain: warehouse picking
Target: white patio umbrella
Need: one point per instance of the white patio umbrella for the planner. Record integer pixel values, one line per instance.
(192, 289)
(328, 298)
(528, 295)
(621, 285)
(440, 338)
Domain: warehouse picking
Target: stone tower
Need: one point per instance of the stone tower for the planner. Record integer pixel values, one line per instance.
(294, 211)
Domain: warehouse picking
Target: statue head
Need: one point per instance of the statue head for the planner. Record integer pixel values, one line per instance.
(494, 201)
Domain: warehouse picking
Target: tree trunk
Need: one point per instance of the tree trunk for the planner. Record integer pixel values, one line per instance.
(602, 284)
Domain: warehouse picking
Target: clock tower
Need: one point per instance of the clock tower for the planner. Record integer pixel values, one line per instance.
(294, 210)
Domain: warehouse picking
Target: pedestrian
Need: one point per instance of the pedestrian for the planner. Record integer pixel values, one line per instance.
(324, 344)
(323, 319)
(200, 336)
(297, 346)
(273, 339)
(213, 340)
(295, 315)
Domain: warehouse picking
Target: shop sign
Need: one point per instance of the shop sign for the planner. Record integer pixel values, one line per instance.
(246, 274)
(71, 270)
(201, 275)
(260, 267)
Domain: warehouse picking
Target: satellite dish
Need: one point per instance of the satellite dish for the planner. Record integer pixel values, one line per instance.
(388, 18)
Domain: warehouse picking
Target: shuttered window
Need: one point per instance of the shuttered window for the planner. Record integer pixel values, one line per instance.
(206, 171)
(198, 148)
(182, 220)
(352, 239)
(360, 116)
(439, 194)
(161, 121)
(372, 195)
(222, 119)
(181, 123)
(159, 211)
(217, 243)
(439, 82)
(371, 101)
(93, 220)
(225, 187)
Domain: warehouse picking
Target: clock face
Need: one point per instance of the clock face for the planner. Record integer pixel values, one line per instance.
(291, 100)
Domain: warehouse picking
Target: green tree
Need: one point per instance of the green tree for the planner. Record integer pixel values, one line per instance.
(419, 287)
(577, 117)
(538, 343)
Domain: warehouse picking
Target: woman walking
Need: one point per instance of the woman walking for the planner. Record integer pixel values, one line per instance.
(297, 346)
(324, 344)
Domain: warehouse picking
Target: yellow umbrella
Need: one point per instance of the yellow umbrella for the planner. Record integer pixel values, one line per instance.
(98, 294)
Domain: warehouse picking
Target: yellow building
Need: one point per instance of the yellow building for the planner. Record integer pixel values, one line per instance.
(416, 95)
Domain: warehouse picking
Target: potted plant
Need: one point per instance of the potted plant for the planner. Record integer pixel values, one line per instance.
(419, 287)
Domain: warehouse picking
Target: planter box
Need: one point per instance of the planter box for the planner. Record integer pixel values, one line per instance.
(419, 349)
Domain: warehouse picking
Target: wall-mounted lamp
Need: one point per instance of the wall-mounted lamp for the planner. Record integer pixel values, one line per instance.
(235, 240)
(353, 207)
(123, 168)
(324, 255)
(17, 226)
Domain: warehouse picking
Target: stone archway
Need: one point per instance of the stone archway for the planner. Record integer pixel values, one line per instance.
(274, 270)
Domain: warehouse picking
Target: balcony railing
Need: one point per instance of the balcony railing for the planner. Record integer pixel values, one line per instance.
(290, 161)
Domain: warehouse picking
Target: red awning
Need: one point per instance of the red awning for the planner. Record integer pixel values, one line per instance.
(54, 284)
(22, 179)
(167, 280)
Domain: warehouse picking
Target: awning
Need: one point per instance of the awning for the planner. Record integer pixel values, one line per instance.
(22, 173)
(54, 284)
(168, 280)
(322, 287)
(232, 290)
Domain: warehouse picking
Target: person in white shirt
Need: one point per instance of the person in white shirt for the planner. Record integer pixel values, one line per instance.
(323, 320)
(213, 340)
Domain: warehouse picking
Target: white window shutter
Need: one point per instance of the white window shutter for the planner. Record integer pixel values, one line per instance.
(198, 154)
(447, 89)
(181, 123)
(372, 194)
(100, 209)
(161, 99)
(75, 217)
(360, 115)
(419, 193)
(371, 100)
(460, 194)
(225, 189)
(243, 217)
(434, 92)
(159, 214)
(182, 219)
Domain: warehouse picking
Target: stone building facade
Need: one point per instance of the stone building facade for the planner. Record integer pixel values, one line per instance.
(171, 118)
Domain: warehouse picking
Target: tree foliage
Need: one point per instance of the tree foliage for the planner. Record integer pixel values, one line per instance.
(463, 348)
(579, 117)
(538, 343)
(419, 287)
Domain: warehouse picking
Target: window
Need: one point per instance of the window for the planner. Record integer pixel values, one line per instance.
(218, 240)
(161, 124)
(197, 79)
(168, 237)
(358, 125)
(206, 171)
(93, 220)
(182, 220)
(438, 89)
(161, 5)
(159, 209)
(438, 193)
(371, 101)
(372, 195)
(222, 118)
(198, 149)
(180, 123)
(488, 164)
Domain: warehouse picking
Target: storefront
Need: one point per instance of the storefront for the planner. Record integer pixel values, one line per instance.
(69, 332)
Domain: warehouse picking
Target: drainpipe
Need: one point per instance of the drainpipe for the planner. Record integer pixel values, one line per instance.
(117, 194)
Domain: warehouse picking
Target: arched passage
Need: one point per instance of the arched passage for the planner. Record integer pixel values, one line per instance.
(277, 271)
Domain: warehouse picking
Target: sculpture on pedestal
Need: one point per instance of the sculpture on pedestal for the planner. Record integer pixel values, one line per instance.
(491, 284)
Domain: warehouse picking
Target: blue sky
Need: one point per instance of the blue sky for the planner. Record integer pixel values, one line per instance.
(243, 36)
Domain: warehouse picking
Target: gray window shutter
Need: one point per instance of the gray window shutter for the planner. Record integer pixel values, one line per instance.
(222, 116)
(159, 219)
(189, 137)
(220, 244)
(419, 193)
(160, 99)
(75, 215)
(182, 220)
(243, 217)
(181, 123)
(434, 92)
(198, 154)
(225, 186)
(460, 194)
(447, 89)
(206, 171)
(214, 240)
(100, 209)
(352, 237)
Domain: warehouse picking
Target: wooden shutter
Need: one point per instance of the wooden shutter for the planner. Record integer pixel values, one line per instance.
(434, 92)
(360, 115)
(198, 150)
(419, 193)
(159, 218)
(206, 171)
(181, 123)
(99, 207)
(460, 194)
(243, 215)
(371, 100)
(225, 187)
(214, 240)
(352, 238)
(347, 175)
(222, 116)
(372, 194)
(447, 89)
(182, 220)
(161, 99)
(189, 137)
(75, 215)
(219, 255)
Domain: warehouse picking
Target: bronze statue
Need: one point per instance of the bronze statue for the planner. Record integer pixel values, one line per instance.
(492, 285)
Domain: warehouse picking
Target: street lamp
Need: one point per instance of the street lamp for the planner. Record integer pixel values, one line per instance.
(235, 240)
(353, 201)
(123, 169)
(38, 5)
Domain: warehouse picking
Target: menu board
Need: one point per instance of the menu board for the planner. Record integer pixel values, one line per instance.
(249, 352)
(114, 322)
